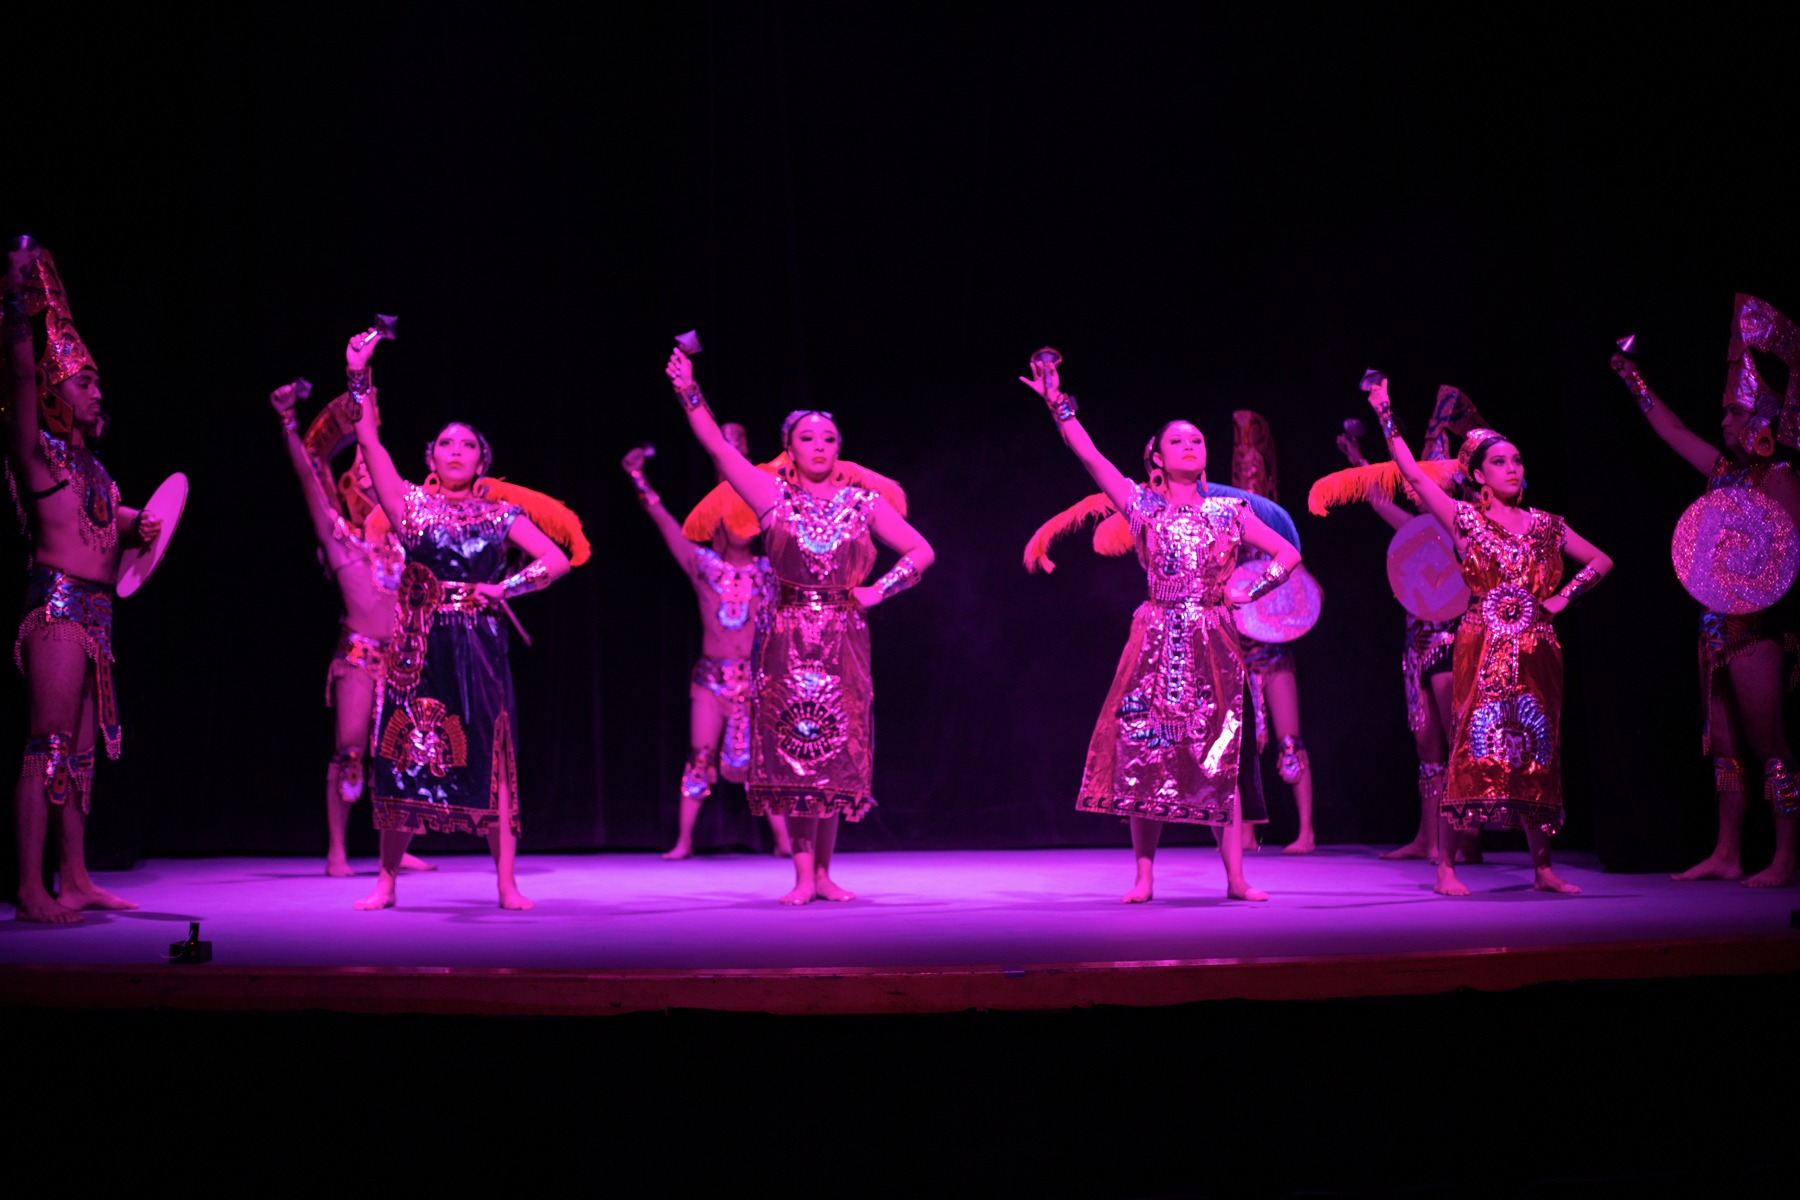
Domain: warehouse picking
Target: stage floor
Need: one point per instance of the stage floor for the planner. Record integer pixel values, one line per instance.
(1354, 923)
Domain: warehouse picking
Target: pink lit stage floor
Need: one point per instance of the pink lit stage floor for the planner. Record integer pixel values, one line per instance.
(930, 931)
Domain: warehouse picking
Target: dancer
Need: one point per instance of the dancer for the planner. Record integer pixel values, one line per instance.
(1505, 751)
(812, 743)
(1167, 746)
(732, 584)
(1742, 656)
(1274, 687)
(366, 573)
(70, 514)
(1425, 661)
(445, 755)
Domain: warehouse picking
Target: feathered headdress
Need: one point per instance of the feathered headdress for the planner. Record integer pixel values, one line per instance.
(1454, 413)
(723, 506)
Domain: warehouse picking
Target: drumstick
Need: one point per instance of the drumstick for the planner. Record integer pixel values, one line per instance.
(513, 617)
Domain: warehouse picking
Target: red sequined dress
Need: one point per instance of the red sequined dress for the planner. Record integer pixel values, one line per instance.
(1169, 742)
(1506, 748)
(812, 744)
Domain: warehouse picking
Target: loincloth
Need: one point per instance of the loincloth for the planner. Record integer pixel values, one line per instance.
(729, 680)
(63, 608)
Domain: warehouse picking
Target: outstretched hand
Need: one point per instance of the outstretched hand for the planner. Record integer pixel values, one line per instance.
(1378, 397)
(634, 461)
(1352, 450)
(1625, 368)
(1043, 380)
(680, 371)
(283, 398)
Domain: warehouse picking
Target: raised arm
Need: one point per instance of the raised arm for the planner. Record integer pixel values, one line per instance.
(1594, 567)
(324, 516)
(1430, 494)
(755, 485)
(1045, 381)
(1699, 453)
(679, 547)
(916, 556)
(24, 422)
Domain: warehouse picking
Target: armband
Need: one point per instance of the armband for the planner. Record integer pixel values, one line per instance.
(1390, 428)
(1273, 577)
(691, 398)
(1584, 581)
(534, 577)
(360, 382)
(902, 576)
(1063, 408)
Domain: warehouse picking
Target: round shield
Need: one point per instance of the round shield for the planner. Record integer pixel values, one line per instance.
(1282, 614)
(1422, 570)
(137, 564)
(1736, 551)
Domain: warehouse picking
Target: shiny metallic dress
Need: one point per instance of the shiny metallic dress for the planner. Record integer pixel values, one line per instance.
(1507, 682)
(812, 747)
(445, 739)
(1168, 742)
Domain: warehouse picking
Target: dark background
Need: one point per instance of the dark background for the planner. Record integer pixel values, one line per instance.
(881, 210)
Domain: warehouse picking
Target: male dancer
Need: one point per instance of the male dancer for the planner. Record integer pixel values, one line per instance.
(69, 508)
(367, 574)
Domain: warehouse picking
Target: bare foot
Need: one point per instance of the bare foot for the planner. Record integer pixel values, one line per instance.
(1142, 891)
(338, 866)
(46, 911)
(412, 862)
(1713, 866)
(827, 890)
(381, 897)
(680, 852)
(513, 900)
(803, 893)
(1779, 873)
(93, 896)
(1549, 881)
(1448, 884)
(1244, 891)
(1301, 845)
(1413, 849)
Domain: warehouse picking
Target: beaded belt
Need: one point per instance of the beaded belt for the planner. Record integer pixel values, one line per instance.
(1207, 599)
(820, 597)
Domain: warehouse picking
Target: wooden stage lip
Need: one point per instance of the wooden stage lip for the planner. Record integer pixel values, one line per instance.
(820, 991)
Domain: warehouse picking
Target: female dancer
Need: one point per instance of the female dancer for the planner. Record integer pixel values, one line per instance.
(1742, 657)
(1168, 742)
(1426, 660)
(1271, 664)
(444, 760)
(366, 573)
(812, 745)
(732, 583)
(1505, 751)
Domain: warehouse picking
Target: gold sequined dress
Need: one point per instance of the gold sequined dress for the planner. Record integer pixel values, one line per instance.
(1169, 741)
(1507, 681)
(812, 745)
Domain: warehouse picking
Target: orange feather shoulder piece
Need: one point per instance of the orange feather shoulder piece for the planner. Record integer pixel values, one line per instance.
(556, 519)
(723, 506)
(1355, 484)
(1066, 522)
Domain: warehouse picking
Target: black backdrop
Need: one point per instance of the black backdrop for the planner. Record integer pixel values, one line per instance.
(881, 210)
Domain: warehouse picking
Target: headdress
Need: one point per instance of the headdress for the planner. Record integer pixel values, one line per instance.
(1453, 413)
(723, 506)
(1252, 454)
(65, 355)
(1774, 416)
(1472, 441)
(330, 434)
